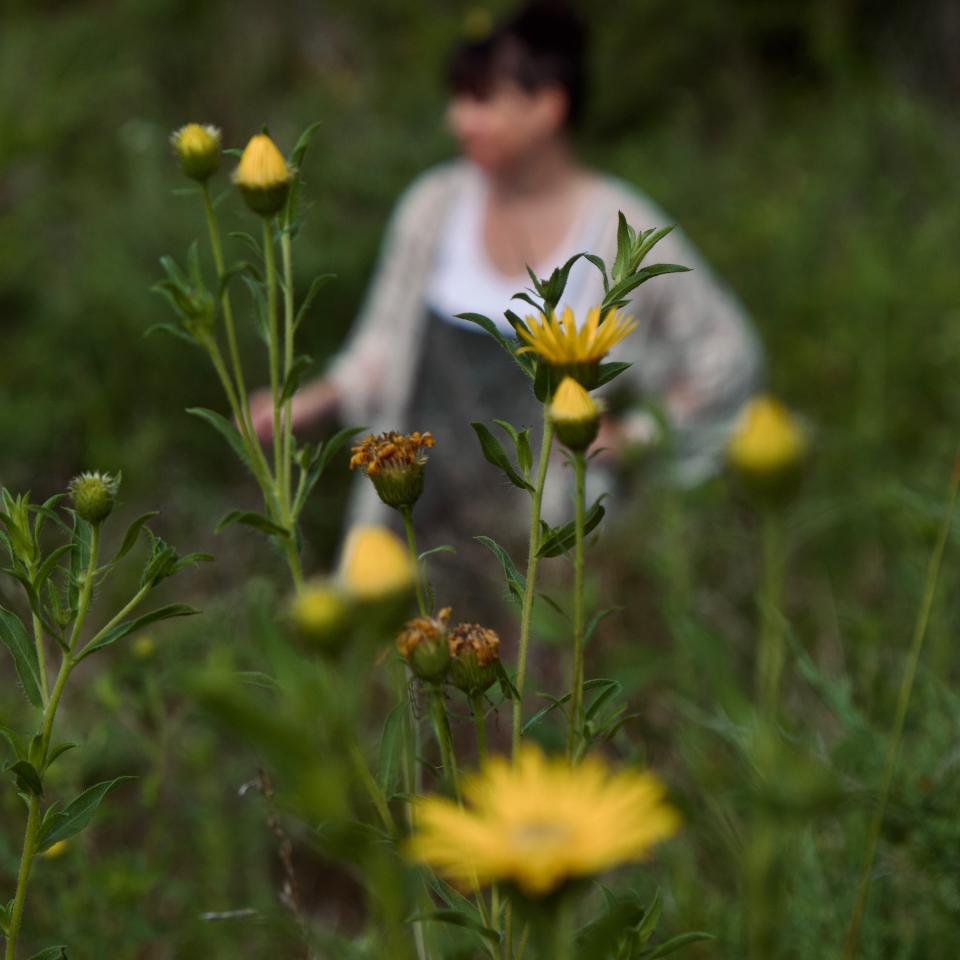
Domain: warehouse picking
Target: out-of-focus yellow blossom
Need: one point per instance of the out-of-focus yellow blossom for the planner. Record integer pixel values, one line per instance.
(768, 446)
(376, 564)
(541, 822)
(319, 613)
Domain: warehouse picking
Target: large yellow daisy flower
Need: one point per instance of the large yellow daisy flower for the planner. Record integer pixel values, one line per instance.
(540, 822)
(560, 343)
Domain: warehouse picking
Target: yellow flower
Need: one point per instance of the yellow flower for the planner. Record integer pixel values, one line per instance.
(263, 176)
(318, 613)
(394, 462)
(375, 564)
(197, 147)
(767, 441)
(576, 352)
(542, 822)
(575, 415)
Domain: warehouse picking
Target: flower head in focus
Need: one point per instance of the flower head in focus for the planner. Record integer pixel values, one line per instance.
(475, 657)
(575, 415)
(394, 462)
(540, 822)
(574, 351)
(423, 643)
(197, 147)
(94, 494)
(263, 176)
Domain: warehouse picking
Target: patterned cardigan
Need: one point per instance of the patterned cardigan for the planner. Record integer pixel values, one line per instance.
(692, 332)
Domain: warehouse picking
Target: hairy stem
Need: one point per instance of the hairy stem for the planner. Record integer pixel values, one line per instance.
(576, 695)
(771, 654)
(441, 726)
(407, 514)
(529, 592)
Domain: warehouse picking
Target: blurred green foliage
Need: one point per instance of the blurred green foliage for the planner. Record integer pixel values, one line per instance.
(809, 149)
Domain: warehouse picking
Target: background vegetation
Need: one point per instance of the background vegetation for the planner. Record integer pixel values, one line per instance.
(810, 150)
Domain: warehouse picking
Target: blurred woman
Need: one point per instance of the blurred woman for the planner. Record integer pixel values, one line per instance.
(460, 240)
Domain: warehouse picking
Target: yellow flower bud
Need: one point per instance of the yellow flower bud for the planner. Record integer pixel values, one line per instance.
(197, 147)
(376, 565)
(575, 415)
(767, 447)
(319, 613)
(94, 495)
(263, 176)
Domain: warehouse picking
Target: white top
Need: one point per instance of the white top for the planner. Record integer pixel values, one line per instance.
(462, 279)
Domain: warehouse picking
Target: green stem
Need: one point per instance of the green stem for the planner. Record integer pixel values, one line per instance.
(771, 654)
(407, 514)
(286, 250)
(480, 721)
(903, 704)
(244, 419)
(130, 605)
(41, 654)
(576, 695)
(23, 876)
(441, 726)
(562, 934)
(529, 592)
(293, 560)
(273, 343)
(32, 829)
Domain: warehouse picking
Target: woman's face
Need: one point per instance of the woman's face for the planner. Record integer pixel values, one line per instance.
(499, 131)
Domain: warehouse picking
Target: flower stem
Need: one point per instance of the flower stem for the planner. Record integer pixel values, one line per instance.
(771, 653)
(377, 798)
(903, 704)
(407, 514)
(273, 344)
(286, 251)
(32, 830)
(480, 721)
(576, 695)
(441, 726)
(526, 609)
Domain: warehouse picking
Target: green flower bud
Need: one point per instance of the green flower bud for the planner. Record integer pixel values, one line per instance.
(425, 645)
(94, 495)
(197, 147)
(394, 463)
(475, 658)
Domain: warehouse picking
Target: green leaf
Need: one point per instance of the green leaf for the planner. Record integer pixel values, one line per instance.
(71, 820)
(487, 324)
(325, 453)
(516, 582)
(296, 157)
(610, 688)
(595, 621)
(561, 539)
(133, 531)
(292, 381)
(675, 943)
(601, 266)
(227, 430)
(24, 653)
(608, 371)
(52, 953)
(459, 919)
(250, 518)
(46, 568)
(127, 627)
(169, 328)
(27, 777)
(247, 239)
(312, 291)
(389, 766)
(58, 751)
(17, 741)
(616, 295)
(494, 453)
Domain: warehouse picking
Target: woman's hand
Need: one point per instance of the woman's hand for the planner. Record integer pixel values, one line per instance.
(310, 406)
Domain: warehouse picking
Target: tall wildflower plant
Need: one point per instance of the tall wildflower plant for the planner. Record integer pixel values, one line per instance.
(54, 553)
(549, 348)
(270, 186)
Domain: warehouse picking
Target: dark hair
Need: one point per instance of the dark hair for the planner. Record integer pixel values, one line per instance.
(543, 44)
